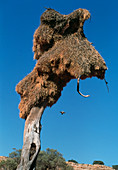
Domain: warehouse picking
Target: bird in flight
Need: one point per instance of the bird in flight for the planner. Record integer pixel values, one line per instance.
(62, 112)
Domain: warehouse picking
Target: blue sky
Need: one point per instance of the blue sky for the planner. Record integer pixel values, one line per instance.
(89, 129)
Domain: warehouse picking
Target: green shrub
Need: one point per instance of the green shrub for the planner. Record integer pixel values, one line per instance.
(115, 167)
(72, 160)
(98, 162)
(9, 164)
(16, 155)
(51, 160)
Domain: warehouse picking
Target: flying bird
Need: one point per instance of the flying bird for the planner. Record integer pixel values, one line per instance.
(62, 112)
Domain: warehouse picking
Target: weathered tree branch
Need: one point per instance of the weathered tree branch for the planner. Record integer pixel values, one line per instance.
(31, 146)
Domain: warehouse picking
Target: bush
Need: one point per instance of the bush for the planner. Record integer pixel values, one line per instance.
(16, 155)
(72, 160)
(98, 162)
(51, 160)
(115, 167)
(12, 161)
(10, 164)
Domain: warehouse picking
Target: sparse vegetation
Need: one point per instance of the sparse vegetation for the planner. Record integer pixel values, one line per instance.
(50, 159)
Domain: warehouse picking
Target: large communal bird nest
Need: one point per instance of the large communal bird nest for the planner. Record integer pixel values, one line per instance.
(63, 53)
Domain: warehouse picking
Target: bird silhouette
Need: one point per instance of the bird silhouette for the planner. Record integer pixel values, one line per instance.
(62, 112)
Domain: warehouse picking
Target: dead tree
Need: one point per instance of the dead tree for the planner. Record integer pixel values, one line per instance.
(63, 53)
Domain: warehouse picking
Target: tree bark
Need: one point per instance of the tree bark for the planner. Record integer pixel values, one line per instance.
(31, 146)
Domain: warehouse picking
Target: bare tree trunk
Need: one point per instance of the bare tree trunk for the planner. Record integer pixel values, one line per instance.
(31, 146)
